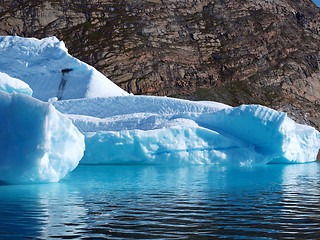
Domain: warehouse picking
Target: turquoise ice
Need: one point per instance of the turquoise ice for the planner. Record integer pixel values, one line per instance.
(37, 143)
(9, 84)
(161, 130)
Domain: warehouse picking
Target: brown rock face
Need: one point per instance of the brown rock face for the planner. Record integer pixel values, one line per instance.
(232, 51)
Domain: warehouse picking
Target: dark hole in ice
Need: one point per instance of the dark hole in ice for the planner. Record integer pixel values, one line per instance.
(63, 82)
(66, 70)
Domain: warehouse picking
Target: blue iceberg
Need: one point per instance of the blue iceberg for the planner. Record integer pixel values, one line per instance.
(161, 130)
(37, 143)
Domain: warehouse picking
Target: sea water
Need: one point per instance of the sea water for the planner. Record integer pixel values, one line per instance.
(167, 202)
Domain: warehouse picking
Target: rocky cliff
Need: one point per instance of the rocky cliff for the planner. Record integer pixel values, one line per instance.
(233, 51)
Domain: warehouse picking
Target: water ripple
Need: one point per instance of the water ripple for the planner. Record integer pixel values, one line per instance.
(156, 202)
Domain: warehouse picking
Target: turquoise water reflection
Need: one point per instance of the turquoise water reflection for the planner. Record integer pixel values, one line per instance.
(164, 202)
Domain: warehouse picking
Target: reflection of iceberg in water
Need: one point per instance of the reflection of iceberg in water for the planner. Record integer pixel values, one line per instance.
(41, 211)
(300, 199)
(64, 211)
(294, 179)
(20, 216)
(163, 202)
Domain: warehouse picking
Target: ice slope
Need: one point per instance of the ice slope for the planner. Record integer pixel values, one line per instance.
(37, 143)
(9, 85)
(131, 112)
(144, 129)
(50, 71)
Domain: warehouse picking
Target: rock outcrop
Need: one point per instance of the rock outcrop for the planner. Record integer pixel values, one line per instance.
(261, 51)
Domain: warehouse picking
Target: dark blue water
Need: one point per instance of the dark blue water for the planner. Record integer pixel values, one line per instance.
(167, 202)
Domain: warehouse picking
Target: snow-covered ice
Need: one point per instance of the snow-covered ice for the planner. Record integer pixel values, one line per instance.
(131, 112)
(9, 84)
(50, 71)
(37, 143)
(158, 130)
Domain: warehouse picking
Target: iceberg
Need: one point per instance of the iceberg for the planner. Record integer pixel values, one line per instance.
(50, 71)
(162, 130)
(9, 84)
(174, 145)
(37, 143)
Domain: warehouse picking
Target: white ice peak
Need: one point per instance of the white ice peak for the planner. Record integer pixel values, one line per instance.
(50, 71)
